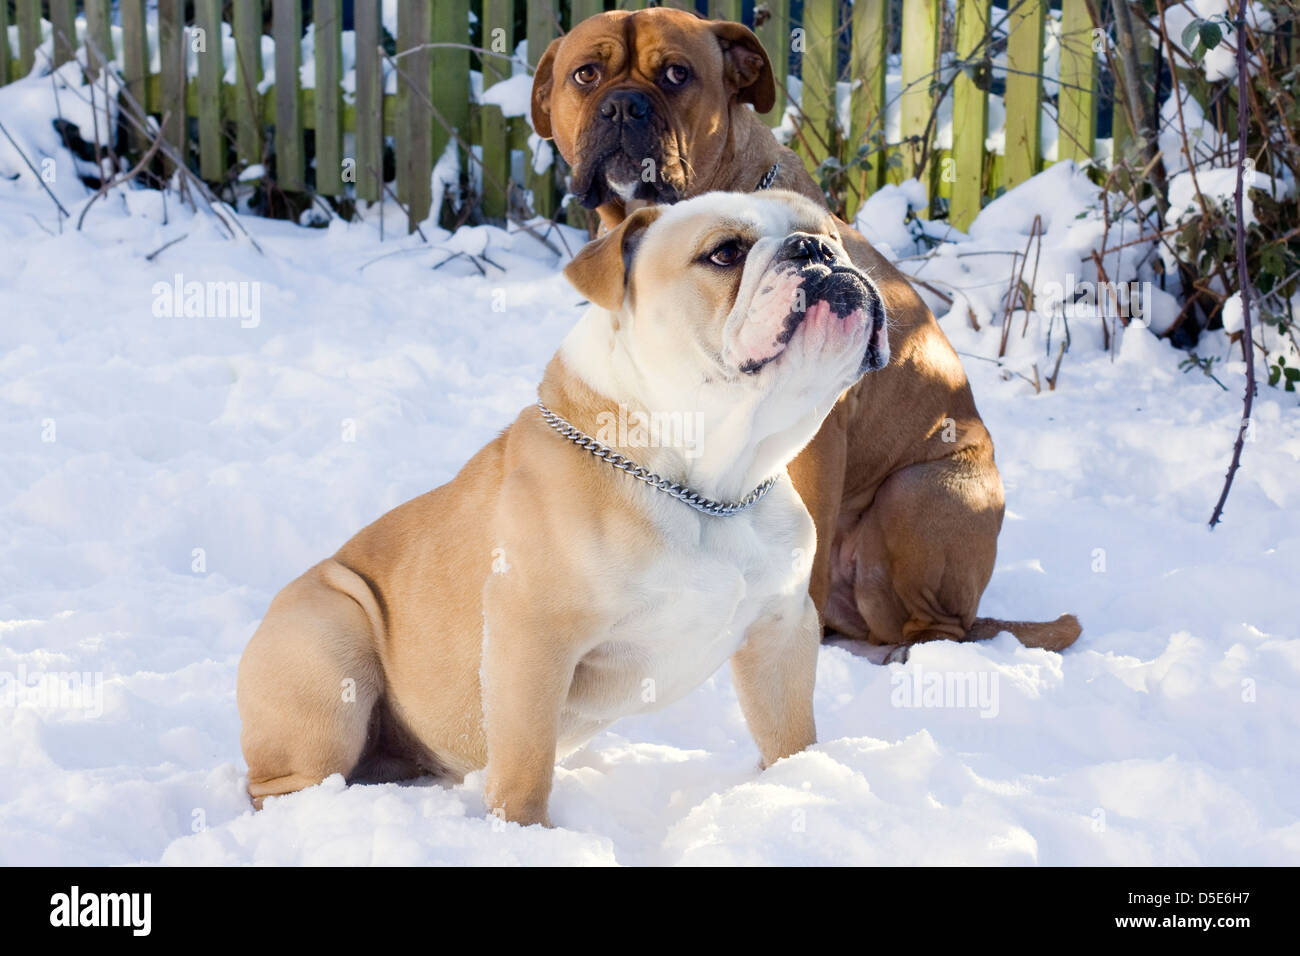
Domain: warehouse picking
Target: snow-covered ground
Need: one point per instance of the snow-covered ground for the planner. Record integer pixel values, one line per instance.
(162, 476)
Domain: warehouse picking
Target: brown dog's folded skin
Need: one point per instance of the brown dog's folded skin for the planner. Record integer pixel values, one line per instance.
(900, 481)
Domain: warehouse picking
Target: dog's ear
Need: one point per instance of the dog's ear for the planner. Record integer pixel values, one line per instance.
(747, 68)
(600, 269)
(542, 83)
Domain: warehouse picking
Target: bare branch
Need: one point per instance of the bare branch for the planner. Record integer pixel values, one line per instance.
(35, 172)
(1243, 278)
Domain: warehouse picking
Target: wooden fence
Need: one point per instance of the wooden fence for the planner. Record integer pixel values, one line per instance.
(829, 41)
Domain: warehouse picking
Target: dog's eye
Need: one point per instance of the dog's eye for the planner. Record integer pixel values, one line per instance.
(728, 254)
(586, 75)
(676, 75)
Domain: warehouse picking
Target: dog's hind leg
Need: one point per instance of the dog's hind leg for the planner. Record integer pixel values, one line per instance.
(917, 562)
(309, 681)
(922, 553)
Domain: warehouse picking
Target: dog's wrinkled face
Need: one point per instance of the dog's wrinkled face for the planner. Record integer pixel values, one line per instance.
(752, 291)
(625, 94)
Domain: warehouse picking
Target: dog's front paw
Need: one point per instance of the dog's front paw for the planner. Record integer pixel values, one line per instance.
(524, 811)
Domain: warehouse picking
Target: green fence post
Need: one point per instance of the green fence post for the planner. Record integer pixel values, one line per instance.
(725, 9)
(772, 25)
(247, 16)
(369, 132)
(328, 100)
(63, 19)
(543, 27)
(135, 59)
(920, 44)
(286, 28)
(28, 13)
(99, 33)
(817, 131)
(5, 55)
(212, 143)
(867, 102)
(1078, 102)
(498, 37)
(171, 60)
(964, 170)
(1024, 150)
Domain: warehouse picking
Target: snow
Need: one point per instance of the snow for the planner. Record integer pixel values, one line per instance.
(513, 95)
(1067, 287)
(1219, 186)
(1233, 313)
(163, 477)
(1204, 141)
(1221, 62)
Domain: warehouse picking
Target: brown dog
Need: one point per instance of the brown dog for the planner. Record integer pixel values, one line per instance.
(653, 106)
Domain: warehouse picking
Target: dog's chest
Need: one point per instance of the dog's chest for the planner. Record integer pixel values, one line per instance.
(685, 613)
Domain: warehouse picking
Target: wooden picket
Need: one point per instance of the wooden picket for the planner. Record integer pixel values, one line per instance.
(28, 13)
(414, 109)
(1024, 149)
(542, 29)
(135, 58)
(328, 100)
(724, 9)
(5, 55)
(774, 33)
(171, 62)
(1078, 103)
(450, 76)
(494, 132)
(212, 142)
(867, 101)
(63, 20)
(290, 154)
(247, 17)
(369, 125)
(819, 72)
(920, 41)
(99, 17)
(825, 43)
(582, 9)
(970, 113)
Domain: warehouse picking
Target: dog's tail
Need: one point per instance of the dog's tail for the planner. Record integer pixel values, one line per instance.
(1049, 635)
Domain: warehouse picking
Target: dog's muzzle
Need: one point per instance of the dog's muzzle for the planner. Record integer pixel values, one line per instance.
(843, 287)
(622, 152)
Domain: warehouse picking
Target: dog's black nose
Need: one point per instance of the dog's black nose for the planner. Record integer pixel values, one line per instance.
(802, 245)
(625, 107)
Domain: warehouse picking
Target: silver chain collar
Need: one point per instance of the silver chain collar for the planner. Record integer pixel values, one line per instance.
(719, 509)
(769, 177)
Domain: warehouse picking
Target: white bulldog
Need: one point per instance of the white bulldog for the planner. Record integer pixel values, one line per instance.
(587, 564)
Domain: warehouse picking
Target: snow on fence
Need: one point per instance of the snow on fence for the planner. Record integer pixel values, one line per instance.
(883, 110)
